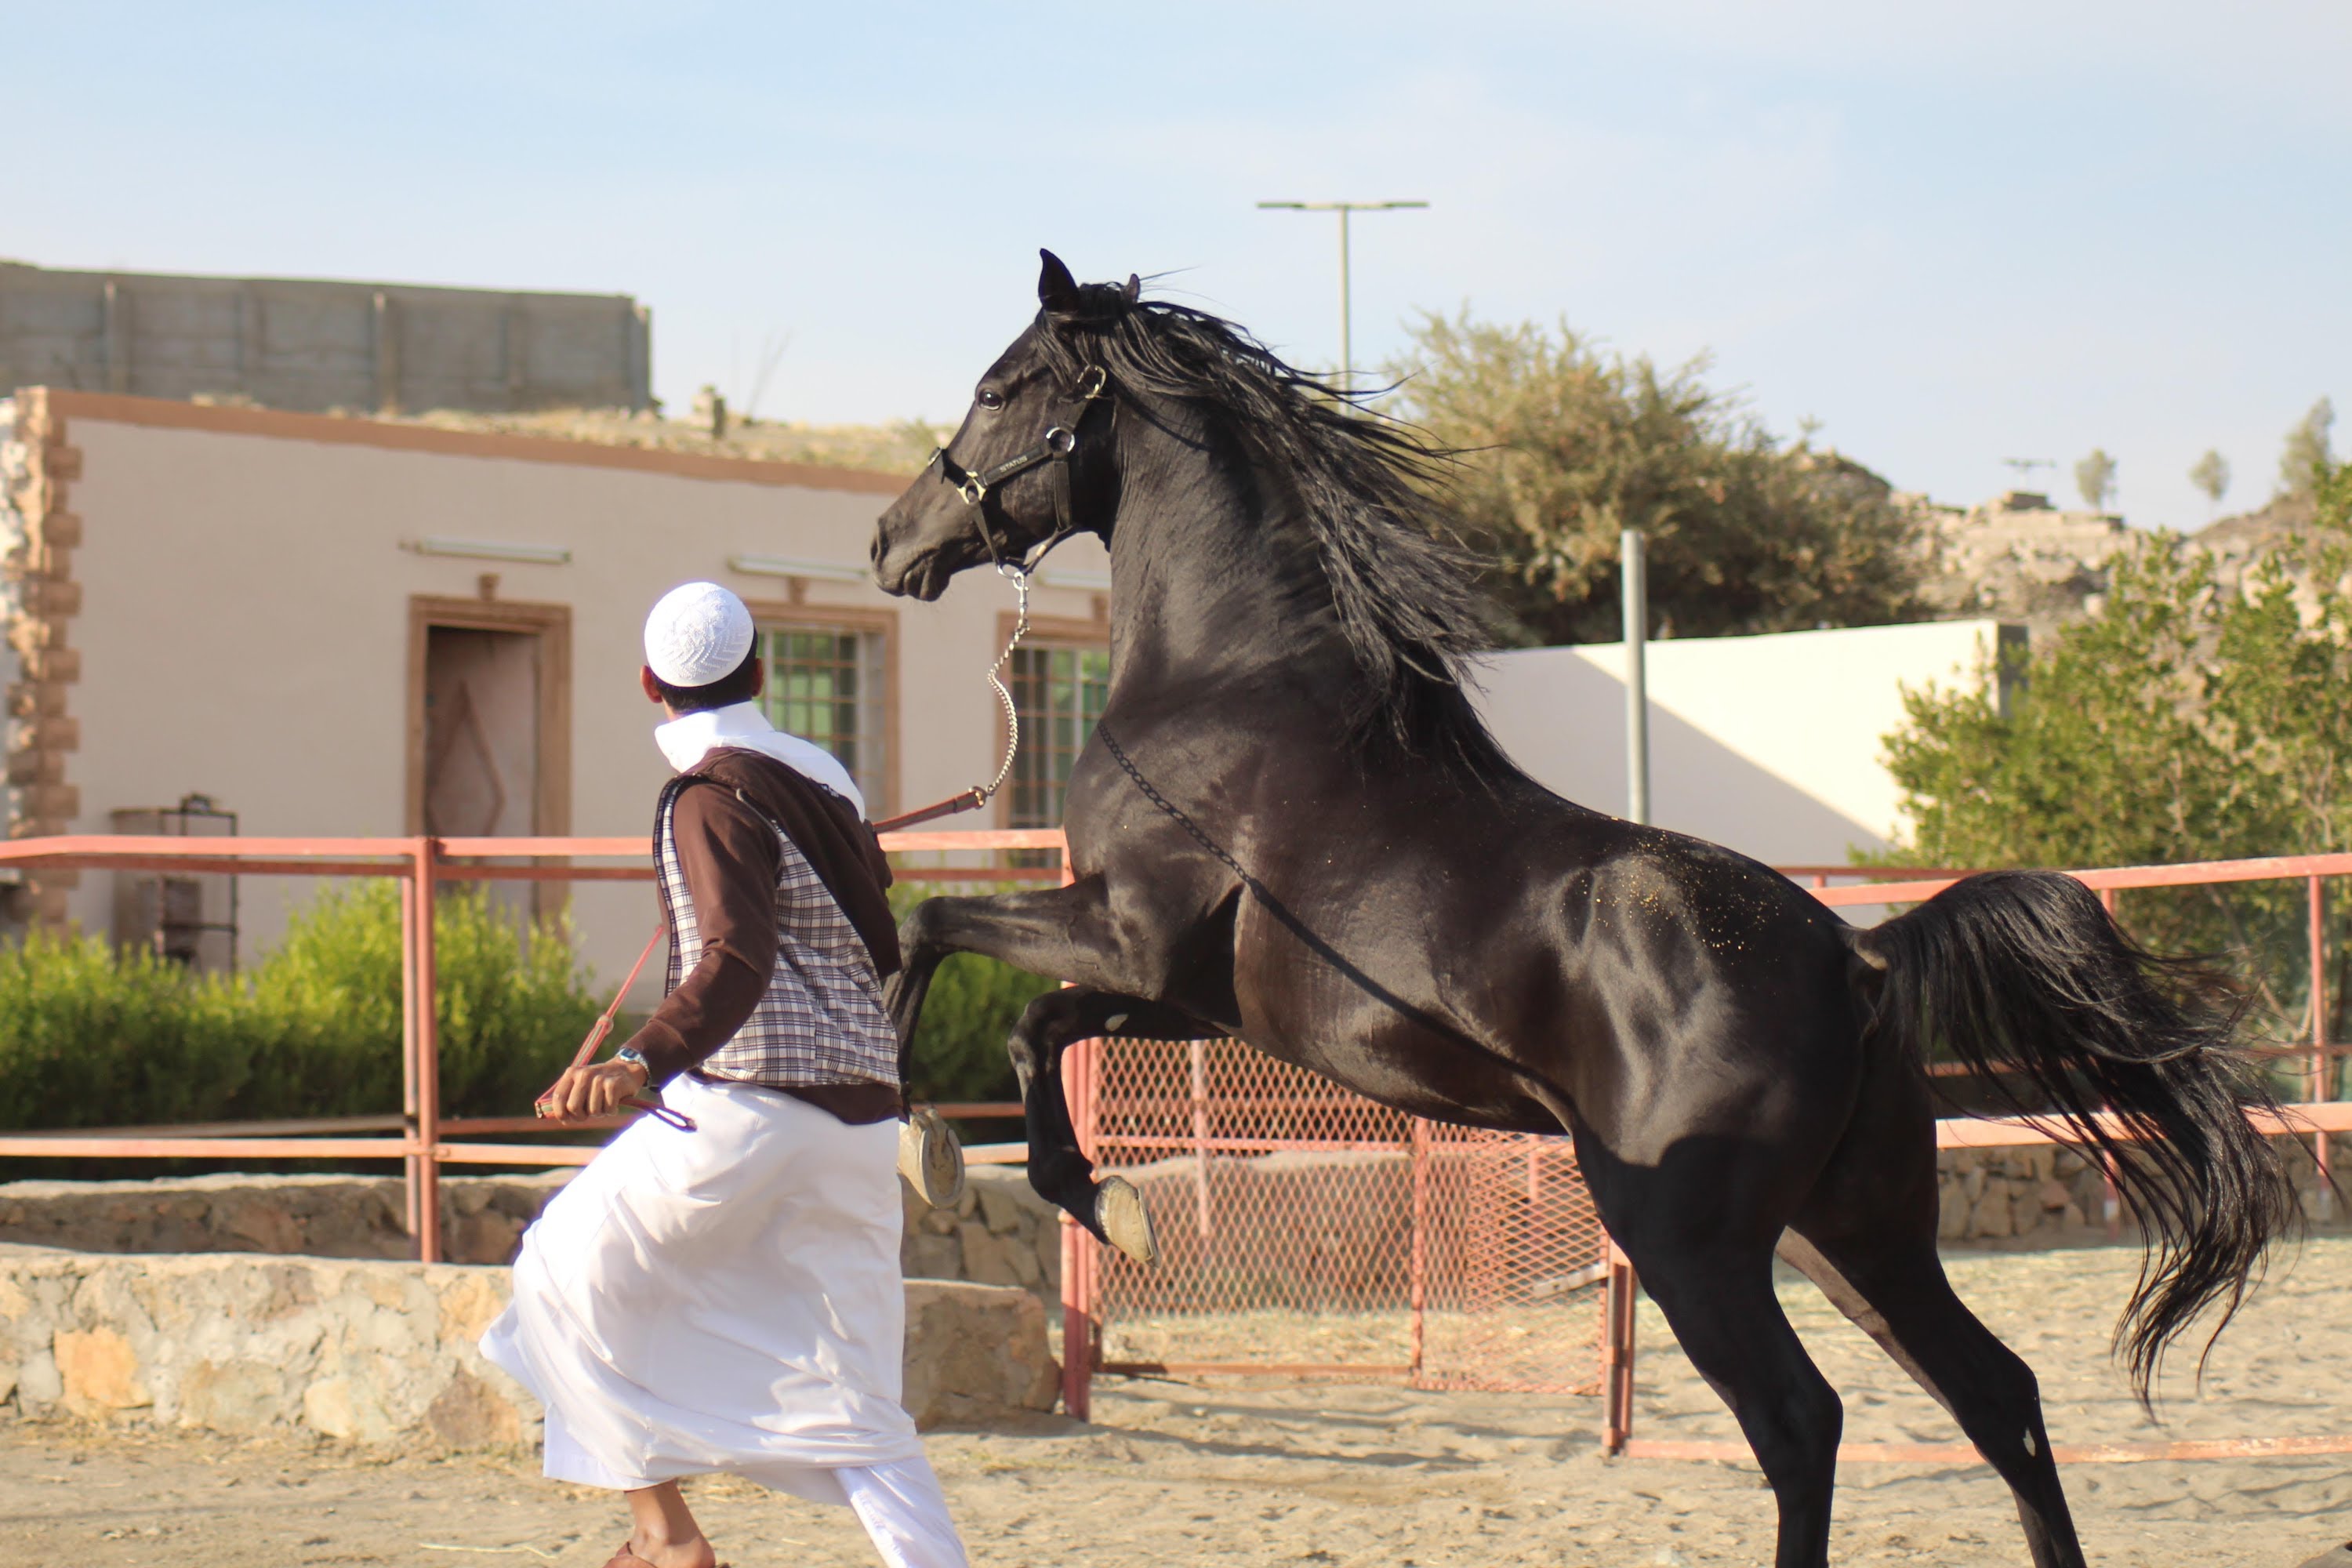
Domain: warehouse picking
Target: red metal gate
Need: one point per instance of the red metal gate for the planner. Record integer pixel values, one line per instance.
(1304, 1230)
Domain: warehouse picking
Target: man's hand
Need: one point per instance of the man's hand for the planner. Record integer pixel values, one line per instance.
(597, 1089)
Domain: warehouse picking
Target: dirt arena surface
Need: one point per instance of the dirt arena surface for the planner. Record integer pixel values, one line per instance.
(1263, 1473)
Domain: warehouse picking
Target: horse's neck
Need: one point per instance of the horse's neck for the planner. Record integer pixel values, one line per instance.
(1219, 583)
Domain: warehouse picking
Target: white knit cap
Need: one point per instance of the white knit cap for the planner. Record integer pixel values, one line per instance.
(699, 633)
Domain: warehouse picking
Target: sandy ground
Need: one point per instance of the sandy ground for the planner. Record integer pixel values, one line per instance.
(1262, 1473)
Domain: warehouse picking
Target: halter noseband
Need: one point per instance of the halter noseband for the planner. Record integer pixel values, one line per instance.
(1058, 445)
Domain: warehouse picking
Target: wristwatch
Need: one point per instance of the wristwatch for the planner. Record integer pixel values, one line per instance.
(636, 1059)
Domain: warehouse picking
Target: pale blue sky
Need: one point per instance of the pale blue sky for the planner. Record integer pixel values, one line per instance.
(1951, 232)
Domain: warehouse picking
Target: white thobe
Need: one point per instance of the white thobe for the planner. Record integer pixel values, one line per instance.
(729, 1299)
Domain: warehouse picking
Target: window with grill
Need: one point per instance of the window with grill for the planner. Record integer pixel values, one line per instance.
(1058, 692)
(829, 685)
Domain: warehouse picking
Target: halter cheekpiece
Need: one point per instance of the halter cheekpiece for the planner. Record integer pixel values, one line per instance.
(1058, 445)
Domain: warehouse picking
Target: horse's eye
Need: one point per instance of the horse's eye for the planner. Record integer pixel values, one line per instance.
(989, 398)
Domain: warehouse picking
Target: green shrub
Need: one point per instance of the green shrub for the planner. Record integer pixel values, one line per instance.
(89, 1038)
(973, 1003)
(93, 1037)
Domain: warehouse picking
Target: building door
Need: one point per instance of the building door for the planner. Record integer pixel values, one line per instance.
(481, 732)
(490, 721)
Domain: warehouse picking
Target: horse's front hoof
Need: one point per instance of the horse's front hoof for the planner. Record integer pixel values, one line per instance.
(1118, 1210)
(930, 1158)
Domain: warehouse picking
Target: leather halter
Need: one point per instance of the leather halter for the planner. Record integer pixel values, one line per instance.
(1058, 445)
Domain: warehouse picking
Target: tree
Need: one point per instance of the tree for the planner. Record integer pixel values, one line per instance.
(2308, 453)
(2211, 474)
(1563, 445)
(2181, 722)
(2094, 476)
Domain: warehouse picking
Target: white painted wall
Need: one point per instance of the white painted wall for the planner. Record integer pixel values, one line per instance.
(1772, 745)
(244, 629)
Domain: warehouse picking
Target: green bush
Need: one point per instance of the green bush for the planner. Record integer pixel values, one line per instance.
(514, 1004)
(93, 1037)
(973, 1003)
(90, 1037)
(2183, 722)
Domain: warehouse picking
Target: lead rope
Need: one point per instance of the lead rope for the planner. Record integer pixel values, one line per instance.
(979, 795)
(587, 1050)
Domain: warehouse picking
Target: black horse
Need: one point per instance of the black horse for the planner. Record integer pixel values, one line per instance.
(1291, 826)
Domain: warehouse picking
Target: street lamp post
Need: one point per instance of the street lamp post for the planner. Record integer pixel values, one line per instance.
(1347, 325)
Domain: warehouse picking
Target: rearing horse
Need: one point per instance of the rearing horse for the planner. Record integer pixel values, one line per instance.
(1291, 826)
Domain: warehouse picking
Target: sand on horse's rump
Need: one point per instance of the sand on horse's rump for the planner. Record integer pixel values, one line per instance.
(1262, 1471)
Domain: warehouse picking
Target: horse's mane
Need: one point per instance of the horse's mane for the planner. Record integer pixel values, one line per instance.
(1403, 587)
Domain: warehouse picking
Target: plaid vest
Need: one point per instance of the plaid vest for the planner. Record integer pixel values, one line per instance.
(821, 1020)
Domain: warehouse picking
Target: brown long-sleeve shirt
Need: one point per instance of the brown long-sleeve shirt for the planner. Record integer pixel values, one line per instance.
(729, 854)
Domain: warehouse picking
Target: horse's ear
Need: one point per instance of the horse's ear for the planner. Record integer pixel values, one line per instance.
(1056, 290)
(1134, 288)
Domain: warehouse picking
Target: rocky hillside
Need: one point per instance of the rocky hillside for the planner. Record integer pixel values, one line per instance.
(2022, 559)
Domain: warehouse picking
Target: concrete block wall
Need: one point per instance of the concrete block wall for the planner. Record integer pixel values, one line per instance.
(317, 344)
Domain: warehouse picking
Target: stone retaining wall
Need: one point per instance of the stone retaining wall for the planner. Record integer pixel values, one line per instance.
(1989, 1195)
(1000, 1234)
(383, 1353)
(2049, 1194)
(482, 1217)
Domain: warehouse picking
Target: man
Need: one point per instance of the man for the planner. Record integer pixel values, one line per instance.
(728, 1297)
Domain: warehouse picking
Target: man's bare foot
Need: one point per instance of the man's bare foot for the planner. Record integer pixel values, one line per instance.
(666, 1535)
(636, 1551)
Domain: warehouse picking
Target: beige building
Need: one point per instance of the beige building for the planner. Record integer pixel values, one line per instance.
(337, 626)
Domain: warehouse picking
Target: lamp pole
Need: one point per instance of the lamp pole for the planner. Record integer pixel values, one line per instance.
(1347, 323)
(1635, 572)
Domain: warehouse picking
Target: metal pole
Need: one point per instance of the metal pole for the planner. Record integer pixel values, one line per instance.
(428, 1060)
(1620, 1305)
(1077, 1248)
(1202, 1218)
(1634, 573)
(2322, 1080)
(1417, 1264)
(1347, 313)
(2111, 1202)
(412, 1166)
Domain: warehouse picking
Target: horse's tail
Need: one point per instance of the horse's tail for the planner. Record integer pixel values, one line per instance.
(2023, 975)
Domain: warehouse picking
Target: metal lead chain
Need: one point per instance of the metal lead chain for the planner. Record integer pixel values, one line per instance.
(1019, 578)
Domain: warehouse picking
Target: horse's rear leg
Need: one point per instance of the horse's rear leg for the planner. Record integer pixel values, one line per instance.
(1867, 1236)
(1112, 1208)
(1894, 1288)
(1724, 1313)
(1699, 1226)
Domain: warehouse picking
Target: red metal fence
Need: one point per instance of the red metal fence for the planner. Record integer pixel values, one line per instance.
(1434, 1254)
(421, 1138)
(1307, 1231)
